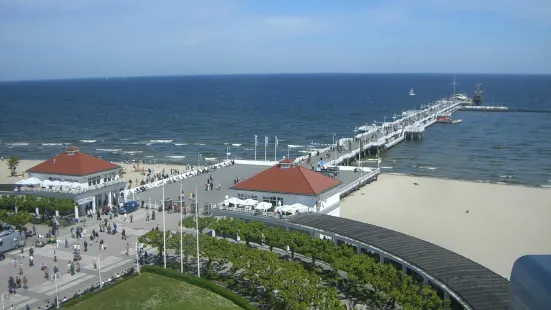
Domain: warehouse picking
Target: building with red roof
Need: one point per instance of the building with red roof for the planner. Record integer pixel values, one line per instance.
(88, 180)
(286, 183)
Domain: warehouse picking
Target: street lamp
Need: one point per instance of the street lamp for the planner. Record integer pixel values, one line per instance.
(8, 294)
(228, 153)
(199, 157)
(98, 258)
(335, 147)
(56, 293)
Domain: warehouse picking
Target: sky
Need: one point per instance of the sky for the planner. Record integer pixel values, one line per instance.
(52, 39)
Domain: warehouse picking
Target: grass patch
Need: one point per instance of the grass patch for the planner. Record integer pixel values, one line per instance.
(152, 291)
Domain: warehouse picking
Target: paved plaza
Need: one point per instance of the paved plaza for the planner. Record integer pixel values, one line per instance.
(114, 258)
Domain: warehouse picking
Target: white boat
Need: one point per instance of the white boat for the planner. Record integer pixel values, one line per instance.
(411, 92)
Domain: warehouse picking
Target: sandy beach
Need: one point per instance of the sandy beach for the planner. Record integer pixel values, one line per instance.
(5, 177)
(503, 222)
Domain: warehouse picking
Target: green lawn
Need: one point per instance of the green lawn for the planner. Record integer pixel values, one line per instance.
(151, 291)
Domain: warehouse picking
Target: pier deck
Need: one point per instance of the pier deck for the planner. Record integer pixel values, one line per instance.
(376, 138)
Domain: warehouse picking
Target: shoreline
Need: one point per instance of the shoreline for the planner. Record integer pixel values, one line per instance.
(183, 166)
(490, 224)
(541, 186)
(25, 164)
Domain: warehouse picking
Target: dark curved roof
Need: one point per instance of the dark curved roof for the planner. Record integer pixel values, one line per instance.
(478, 286)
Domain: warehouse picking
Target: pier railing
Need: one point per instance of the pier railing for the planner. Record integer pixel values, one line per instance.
(369, 177)
(68, 190)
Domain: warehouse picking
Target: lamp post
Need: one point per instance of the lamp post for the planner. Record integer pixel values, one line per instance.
(137, 256)
(197, 228)
(56, 293)
(228, 153)
(8, 294)
(288, 151)
(199, 157)
(98, 259)
(181, 230)
(335, 147)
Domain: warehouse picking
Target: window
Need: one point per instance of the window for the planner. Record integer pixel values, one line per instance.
(247, 196)
(273, 200)
(54, 179)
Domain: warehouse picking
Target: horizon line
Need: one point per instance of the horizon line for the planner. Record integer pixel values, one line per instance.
(264, 74)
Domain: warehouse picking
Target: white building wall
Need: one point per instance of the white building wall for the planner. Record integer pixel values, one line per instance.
(81, 179)
(288, 199)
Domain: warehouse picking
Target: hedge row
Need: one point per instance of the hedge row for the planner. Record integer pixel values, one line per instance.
(203, 283)
(76, 300)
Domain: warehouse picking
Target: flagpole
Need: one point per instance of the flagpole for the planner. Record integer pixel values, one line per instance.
(181, 231)
(197, 228)
(265, 147)
(164, 227)
(288, 151)
(275, 149)
(255, 144)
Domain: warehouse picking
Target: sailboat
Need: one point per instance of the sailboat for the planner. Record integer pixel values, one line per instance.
(411, 92)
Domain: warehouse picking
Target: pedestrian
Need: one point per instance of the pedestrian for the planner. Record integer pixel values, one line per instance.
(131, 217)
(31, 260)
(55, 257)
(125, 216)
(85, 246)
(72, 232)
(25, 286)
(66, 243)
(22, 251)
(94, 263)
(57, 242)
(123, 234)
(127, 248)
(69, 267)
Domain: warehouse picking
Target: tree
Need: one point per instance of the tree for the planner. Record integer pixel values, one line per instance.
(274, 237)
(13, 162)
(154, 239)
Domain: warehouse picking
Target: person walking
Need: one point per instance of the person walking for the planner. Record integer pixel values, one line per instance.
(127, 247)
(85, 246)
(123, 234)
(131, 217)
(57, 242)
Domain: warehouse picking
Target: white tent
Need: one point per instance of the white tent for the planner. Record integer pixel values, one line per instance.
(249, 202)
(234, 201)
(263, 205)
(29, 181)
(46, 183)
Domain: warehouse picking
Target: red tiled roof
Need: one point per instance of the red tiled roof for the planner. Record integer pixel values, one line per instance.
(292, 180)
(72, 162)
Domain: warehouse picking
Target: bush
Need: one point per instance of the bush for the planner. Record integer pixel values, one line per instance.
(203, 283)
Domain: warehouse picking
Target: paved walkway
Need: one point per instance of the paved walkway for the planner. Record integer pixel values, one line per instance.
(114, 258)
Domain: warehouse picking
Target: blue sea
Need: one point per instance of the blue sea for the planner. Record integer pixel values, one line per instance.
(173, 119)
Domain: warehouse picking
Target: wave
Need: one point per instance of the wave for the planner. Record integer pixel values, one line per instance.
(87, 141)
(545, 186)
(249, 149)
(211, 159)
(52, 144)
(426, 167)
(506, 176)
(149, 156)
(180, 144)
(386, 167)
(108, 150)
(161, 141)
(132, 152)
(305, 152)
(295, 146)
(18, 144)
(176, 156)
(237, 144)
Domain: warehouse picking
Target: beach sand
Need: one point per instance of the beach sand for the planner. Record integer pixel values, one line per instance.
(504, 222)
(5, 177)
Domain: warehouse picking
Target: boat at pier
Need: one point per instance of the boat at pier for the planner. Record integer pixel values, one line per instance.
(447, 119)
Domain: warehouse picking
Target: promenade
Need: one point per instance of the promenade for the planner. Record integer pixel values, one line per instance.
(114, 258)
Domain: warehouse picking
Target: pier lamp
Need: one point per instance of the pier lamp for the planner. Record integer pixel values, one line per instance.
(199, 157)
